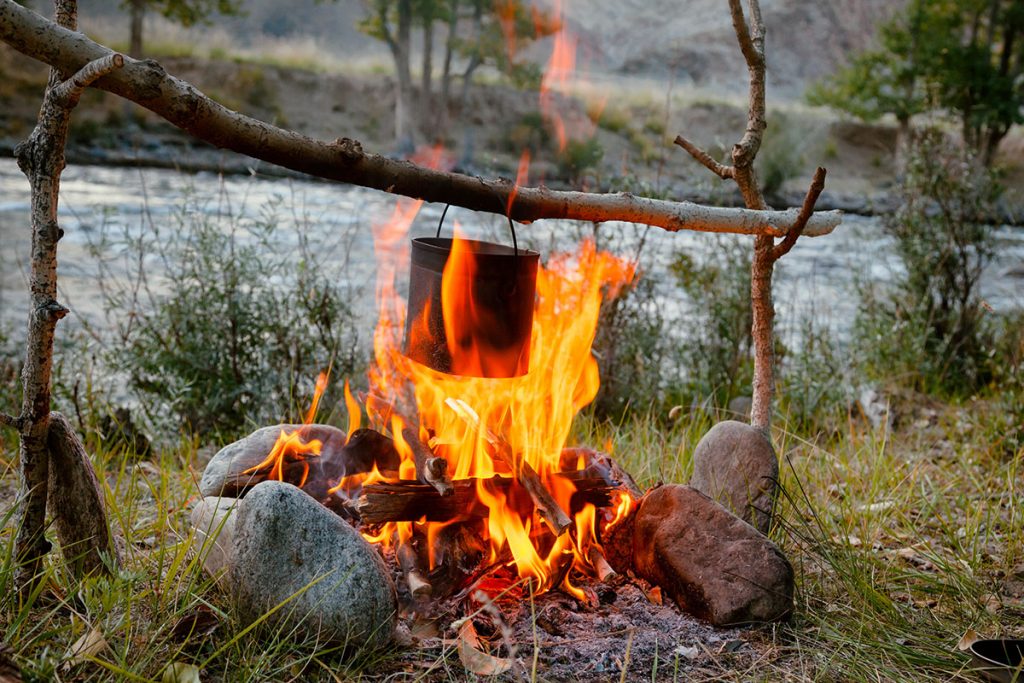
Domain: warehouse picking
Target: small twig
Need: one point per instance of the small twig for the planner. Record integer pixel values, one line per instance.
(721, 170)
(11, 421)
(810, 199)
(605, 573)
(67, 93)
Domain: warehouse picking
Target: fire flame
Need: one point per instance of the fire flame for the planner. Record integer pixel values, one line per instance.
(532, 413)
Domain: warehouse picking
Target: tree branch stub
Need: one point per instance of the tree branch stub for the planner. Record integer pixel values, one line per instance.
(721, 170)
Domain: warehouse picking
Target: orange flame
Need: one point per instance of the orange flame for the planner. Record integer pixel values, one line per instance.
(532, 413)
(355, 415)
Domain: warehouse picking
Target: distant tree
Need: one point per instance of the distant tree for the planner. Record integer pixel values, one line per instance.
(185, 12)
(963, 57)
(478, 32)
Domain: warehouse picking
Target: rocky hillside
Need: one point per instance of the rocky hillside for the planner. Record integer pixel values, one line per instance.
(806, 39)
(691, 40)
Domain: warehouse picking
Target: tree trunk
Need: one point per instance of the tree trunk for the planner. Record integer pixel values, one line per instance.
(427, 76)
(404, 104)
(138, 13)
(444, 102)
(41, 159)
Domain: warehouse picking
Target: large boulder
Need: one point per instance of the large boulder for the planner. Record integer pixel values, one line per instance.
(736, 465)
(288, 548)
(713, 564)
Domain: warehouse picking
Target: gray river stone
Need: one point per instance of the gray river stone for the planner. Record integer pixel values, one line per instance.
(735, 464)
(288, 547)
(250, 451)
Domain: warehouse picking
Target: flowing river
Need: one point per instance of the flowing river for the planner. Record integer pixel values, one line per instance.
(818, 278)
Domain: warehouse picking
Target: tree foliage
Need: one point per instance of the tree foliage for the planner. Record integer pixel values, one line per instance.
(961, 57)
(478, 32)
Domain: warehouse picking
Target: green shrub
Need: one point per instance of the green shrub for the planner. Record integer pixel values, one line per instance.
(235, 325)
(717, 355)
(929, 328)
(781, 154)
(530, 133)
(633, 347)
(579, 157)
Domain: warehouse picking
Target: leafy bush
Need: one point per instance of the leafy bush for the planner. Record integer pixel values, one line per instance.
(717, 355)
(929, 327)
(237, 320)
(578, 157)
(633, 347)
(781, 154)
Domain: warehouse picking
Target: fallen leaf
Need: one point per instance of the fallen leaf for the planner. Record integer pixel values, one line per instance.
(732, 646)
(180, 672)
(853, 541)
(687, 651)
(89, 645)
(967, 639)
(202, 621)
(474, 658)
(654, 596)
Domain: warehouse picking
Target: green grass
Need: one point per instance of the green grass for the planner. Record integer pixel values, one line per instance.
(900, 541)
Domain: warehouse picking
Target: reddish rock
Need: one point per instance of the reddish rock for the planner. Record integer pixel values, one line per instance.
(712, 563)
(736, 465)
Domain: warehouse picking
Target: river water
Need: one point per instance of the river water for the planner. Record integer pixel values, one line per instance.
(816, 279)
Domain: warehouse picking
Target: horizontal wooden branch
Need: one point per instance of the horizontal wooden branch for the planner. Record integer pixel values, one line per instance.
(146, 83)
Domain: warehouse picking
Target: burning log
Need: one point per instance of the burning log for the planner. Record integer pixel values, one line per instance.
(598, 464)
(430, 469)
(409, 561)
(500, 450)
(411, 501)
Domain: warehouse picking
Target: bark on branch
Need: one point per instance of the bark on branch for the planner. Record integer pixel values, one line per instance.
(67, 93)
(146, 83)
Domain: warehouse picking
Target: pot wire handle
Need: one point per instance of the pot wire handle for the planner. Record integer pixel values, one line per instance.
(511, 227)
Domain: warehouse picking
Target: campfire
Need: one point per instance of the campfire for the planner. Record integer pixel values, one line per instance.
(466, 480)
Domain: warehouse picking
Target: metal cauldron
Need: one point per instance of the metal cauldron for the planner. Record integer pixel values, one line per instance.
(492, 341)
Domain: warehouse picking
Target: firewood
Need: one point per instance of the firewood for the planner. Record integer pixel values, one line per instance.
(500, 450)
(598, 464)
(604, 570)
(419, 586)
(430, 469)
(409, 500)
